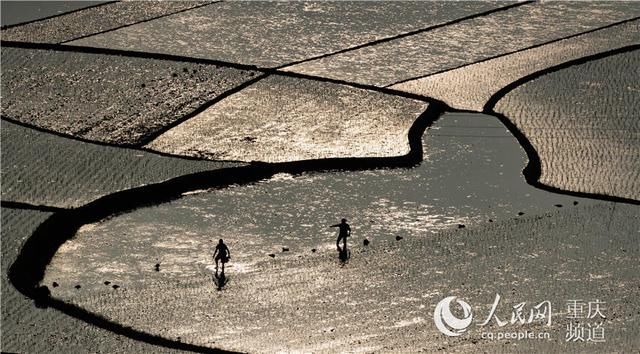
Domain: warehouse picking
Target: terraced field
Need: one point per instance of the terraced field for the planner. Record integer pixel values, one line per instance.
(26, 328)
(44, 169)
(90, 129)
(471, 87)
(276, 34)
(108, 98)
(285, 119)
(303, 288)
(583, 122)
(466, 42)
(95, 20)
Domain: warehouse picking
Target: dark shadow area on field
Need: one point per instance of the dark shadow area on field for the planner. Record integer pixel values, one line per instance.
(515, 51)
(28, 269)
(403, 35)
(533, 170)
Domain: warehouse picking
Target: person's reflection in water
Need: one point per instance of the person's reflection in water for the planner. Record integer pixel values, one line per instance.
(220, 279)
(344, 254)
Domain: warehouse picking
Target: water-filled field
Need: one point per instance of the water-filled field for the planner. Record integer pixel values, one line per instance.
(158, 256)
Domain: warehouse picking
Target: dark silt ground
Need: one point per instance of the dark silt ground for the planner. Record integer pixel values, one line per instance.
(107, 98)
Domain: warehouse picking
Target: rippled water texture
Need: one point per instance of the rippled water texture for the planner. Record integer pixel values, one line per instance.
(293, 212)
(286, 119)
(277, 33)
(108, 98)
(470, 87)
(468, 41)
(583, 122)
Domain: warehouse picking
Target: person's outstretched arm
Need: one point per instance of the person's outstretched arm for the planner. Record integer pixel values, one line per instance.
(336, 225)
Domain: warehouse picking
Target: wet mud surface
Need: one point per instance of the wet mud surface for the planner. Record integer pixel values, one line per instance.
(95, 20)
(30, 329)
(472, 86)
(583, 123)
(461, 222)
(275, 34)
(466, 42)
(43, 169)
(107, 98)
(285, 119)
(309, 290)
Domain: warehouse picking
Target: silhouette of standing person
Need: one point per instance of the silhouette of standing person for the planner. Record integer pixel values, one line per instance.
(345, 231)
(221, 253)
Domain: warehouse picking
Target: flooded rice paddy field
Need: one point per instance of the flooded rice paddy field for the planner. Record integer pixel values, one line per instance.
(302, 299)
(256, 32)
(471, 87)
(107, 98)
(285, 119)
(27, 328)
(462, 222)
(583, 122)
(93, 20)
(466, 42)
(43, 169)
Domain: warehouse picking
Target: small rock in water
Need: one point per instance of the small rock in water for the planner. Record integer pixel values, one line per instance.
(115, 286)
(520, 213)
(157, 267)
(461, 226)
(285, 249)
(398, 238)
(77, 286)
(249, 139)
(575, 203)
(107, 282)
(558, 205)
(313, 250)
(54, 284)
(365, 242)
(490, 220)
(272, 255)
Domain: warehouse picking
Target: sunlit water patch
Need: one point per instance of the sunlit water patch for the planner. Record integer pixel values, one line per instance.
(470, 177)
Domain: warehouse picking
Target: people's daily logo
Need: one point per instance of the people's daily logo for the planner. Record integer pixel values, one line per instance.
(447, 322)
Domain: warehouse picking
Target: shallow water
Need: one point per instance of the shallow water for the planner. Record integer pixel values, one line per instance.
(296, 211)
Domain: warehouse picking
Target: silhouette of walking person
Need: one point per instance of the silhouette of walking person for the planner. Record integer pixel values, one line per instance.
(221, 253)
(345, 231)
